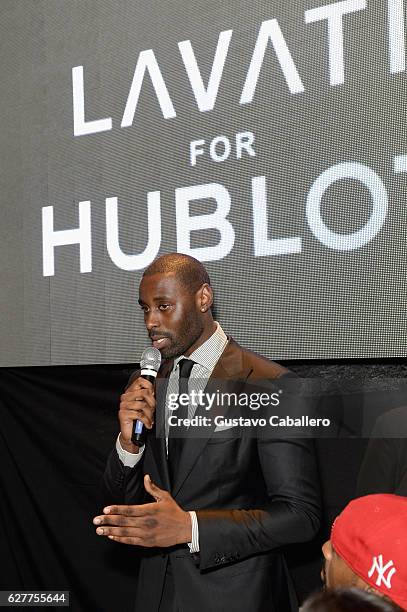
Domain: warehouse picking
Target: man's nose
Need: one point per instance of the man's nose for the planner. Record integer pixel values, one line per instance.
(152, 320)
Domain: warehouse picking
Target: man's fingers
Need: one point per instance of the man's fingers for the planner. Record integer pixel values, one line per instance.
(130, 541)
(139, 414)
(133, 411)
(130, 510)
(136, 532)
(136, 403)
(153, 490)
(140, 395)
(129, 414)
(140, 383)
(128, 535)
(117, 520)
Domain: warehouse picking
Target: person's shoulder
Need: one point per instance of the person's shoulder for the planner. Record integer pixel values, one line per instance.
(261, 366)
(392, 424)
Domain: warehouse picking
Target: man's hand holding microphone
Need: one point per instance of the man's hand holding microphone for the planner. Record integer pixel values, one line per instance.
(136, 404)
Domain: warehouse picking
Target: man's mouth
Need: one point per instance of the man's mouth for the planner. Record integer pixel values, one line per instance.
(160, 343)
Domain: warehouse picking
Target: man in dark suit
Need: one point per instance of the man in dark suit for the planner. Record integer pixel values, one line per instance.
(211, 512)
(384, 467)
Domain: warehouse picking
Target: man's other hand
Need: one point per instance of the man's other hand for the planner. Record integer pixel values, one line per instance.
(159, 524)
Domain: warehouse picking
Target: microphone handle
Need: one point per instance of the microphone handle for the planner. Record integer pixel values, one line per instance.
(139, 431)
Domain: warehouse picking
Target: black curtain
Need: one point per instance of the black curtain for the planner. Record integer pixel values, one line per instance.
(57, 427)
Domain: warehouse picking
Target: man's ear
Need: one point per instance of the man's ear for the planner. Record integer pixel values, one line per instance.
(327, 550)
(204, 297)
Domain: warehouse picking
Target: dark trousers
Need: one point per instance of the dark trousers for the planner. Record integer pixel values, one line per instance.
(168, 601)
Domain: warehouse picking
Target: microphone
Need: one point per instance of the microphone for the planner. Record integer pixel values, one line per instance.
(149, 364)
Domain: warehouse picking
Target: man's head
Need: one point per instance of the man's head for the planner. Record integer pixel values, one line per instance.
(348, 600)
(176, 298)
(368, 547)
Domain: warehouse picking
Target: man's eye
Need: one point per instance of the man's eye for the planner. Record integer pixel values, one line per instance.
(164, 306)
(144, 308)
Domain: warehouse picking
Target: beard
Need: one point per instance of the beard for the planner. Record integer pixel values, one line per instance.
(187, 335)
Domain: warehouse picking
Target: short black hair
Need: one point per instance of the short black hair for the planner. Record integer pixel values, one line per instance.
(185, 268)
(348, 600)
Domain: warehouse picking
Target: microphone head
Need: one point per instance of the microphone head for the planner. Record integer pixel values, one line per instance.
(150, 359)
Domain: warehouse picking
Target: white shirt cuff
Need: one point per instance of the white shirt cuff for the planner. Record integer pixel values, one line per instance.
(128, 459)
(194, 544)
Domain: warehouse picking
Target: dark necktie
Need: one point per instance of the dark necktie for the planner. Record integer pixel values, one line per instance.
(176, 435)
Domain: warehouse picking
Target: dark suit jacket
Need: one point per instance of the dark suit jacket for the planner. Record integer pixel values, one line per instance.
(251, 495)
(384, 468)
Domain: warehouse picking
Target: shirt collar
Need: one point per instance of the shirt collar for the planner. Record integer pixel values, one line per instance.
(208, 353)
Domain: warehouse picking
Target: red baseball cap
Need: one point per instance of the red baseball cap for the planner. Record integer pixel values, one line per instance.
(371, 537)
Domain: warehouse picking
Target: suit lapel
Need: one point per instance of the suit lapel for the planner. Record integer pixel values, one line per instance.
(230, 367)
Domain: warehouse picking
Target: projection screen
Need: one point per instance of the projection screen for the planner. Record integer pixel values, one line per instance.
(266, 138)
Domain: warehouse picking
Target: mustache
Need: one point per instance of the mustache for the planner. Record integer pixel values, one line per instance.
(155, 335)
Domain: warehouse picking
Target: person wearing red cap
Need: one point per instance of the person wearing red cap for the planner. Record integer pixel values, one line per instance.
(348, 600)
(368, 547)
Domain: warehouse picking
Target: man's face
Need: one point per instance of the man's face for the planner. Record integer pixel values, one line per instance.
(171, 314)
(335, 572)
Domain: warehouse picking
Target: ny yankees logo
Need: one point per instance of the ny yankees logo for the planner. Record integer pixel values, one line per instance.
(381, 570)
